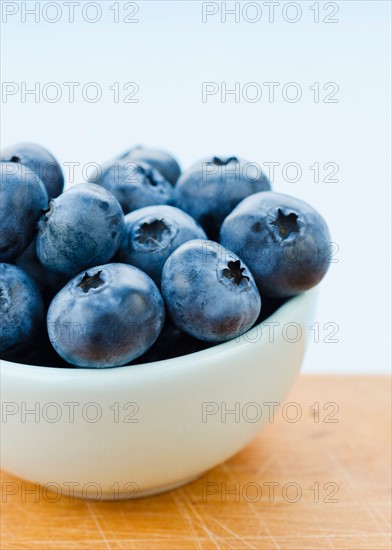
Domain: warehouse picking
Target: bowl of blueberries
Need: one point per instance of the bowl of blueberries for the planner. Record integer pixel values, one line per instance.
(147, 316)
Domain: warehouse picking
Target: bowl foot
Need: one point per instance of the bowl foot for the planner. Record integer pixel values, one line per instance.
(134, 495)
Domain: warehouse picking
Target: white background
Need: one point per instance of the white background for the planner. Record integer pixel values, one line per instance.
(170, 52)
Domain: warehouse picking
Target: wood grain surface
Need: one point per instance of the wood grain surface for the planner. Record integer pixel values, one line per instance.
(332, 487)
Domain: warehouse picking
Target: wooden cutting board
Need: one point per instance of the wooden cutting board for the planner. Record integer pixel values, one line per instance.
(321, 482)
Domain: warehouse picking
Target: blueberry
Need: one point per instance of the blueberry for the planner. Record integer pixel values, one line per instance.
(106, 316)
(212, 187)
(173, 342)
(22, 199)
(40, 161)
(160, 160)
(209, 292)
(48, 282)
(83, 227)
(40, 352)
(21, 309)
(284, 241)
(152, 234)
(135, 185)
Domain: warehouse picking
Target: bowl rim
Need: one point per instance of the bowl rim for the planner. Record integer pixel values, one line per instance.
(224, 348)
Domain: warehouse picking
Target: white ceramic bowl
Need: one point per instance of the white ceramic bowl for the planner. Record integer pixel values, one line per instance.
(144, 429)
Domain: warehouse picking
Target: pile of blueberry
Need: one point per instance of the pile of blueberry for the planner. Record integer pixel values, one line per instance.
(89, 272)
